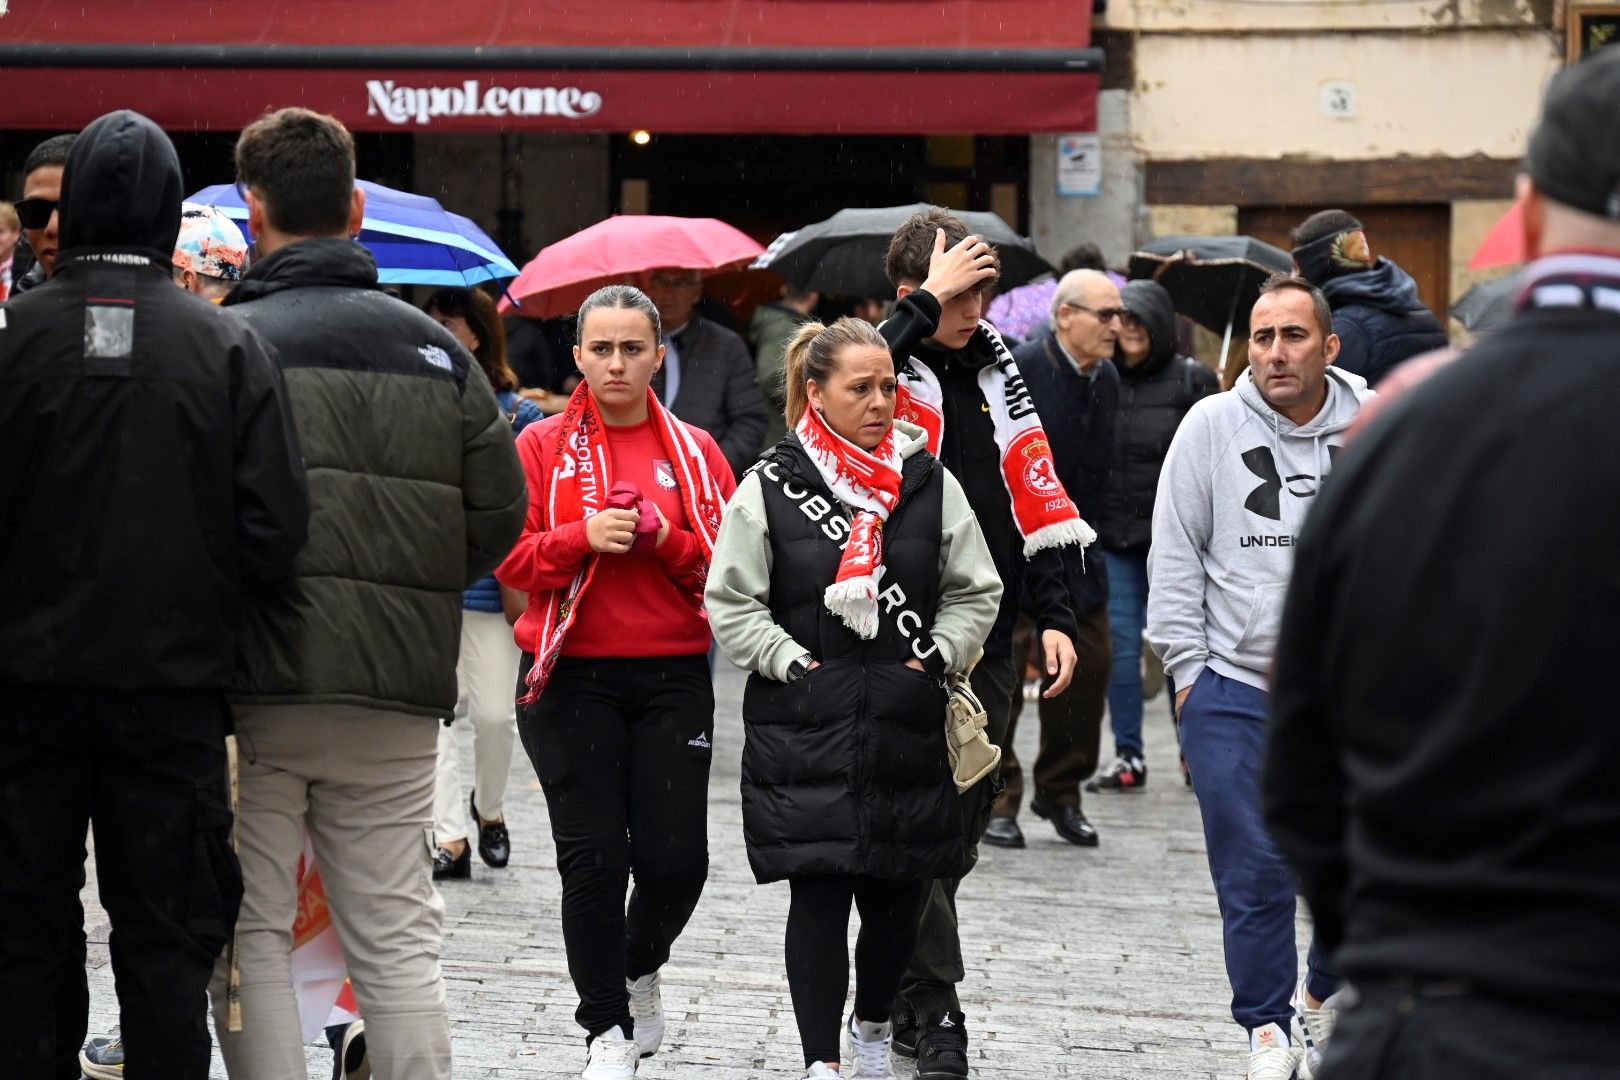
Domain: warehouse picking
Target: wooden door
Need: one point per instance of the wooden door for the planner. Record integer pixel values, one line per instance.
(1417, 237)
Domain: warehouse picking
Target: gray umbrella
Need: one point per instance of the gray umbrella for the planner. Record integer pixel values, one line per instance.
(1489, 305)
(844, 254)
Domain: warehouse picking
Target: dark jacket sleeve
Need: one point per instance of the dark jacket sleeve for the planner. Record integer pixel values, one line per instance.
(494, 498)
(1203, 379)
(272, 496)
(1088, 580)
(1355, 353)
(913, 319)
(1304, 787)
(1046, 599)
(746, 415)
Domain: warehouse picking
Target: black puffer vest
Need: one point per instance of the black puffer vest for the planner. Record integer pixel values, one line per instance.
(845, 770)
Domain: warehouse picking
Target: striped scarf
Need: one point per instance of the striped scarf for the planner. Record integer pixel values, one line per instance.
(579, 487)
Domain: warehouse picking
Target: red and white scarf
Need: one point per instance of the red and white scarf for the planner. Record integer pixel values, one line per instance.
(1045, 515)
(868, 481)
(579, 484)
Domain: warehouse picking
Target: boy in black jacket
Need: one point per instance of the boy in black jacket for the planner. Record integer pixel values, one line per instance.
(942, 279)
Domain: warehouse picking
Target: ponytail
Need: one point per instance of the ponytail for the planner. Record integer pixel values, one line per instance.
(812, 356)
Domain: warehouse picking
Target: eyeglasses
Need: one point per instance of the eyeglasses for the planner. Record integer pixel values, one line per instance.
(1104, 315)
(35, 213)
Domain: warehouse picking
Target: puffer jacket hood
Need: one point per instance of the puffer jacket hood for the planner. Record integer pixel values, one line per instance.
(121, 187)
(1386, 287)
(1152, 306)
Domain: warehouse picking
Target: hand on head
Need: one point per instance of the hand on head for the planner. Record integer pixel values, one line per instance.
(955, 270)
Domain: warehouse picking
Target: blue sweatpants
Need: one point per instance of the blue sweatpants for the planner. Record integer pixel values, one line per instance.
(1223, 727)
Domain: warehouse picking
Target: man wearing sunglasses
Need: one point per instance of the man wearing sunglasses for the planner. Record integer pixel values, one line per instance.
(36, 210)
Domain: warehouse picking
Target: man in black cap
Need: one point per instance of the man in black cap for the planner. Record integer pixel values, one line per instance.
(1377, 315)
(150, 480)
(1445, 791)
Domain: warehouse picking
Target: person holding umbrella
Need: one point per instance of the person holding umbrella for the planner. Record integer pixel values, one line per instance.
(847, 790)
(618, 707)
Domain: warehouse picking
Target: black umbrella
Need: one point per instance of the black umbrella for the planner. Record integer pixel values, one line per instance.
(1213, 280)
(1488, 305)
(844, 254)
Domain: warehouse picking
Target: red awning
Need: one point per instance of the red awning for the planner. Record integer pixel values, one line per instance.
(721, 66)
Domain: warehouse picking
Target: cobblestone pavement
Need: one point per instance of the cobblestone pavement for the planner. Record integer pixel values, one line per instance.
(1102, 963)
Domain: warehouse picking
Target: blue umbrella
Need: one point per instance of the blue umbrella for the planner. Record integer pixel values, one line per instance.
(415, 240)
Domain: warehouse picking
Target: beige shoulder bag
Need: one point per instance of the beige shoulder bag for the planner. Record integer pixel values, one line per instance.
(973, 755)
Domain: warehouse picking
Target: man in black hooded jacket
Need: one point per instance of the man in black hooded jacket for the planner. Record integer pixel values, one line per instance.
(150, 476)
(1377, 315)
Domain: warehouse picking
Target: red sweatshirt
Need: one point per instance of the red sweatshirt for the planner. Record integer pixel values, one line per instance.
(649, 604)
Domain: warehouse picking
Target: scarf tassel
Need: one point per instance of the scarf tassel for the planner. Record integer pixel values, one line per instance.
(1059, 534)
(854, 600)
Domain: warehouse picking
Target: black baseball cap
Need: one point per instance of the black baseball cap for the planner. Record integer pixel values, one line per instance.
(1574, 152)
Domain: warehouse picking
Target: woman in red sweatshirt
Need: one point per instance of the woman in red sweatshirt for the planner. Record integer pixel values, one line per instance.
(618, 707)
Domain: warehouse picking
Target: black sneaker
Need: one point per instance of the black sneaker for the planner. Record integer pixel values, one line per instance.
(942, 1050)
(350, 1060)
(1128, 772)
(906, 1029)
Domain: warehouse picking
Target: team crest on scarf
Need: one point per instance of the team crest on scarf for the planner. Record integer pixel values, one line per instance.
(1045, 515)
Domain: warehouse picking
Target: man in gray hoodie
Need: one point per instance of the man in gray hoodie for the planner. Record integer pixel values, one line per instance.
(1240, 476)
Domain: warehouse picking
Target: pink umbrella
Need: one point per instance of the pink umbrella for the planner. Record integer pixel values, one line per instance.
(1504, 244)
(560, 277)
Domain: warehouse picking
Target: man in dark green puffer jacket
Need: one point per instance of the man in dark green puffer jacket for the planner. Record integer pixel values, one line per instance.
(415, 492)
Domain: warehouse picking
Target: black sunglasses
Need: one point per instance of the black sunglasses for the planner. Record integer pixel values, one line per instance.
(1103, 315)
(35, 213)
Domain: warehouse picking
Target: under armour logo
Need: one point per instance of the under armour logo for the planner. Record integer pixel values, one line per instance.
(1266, 499)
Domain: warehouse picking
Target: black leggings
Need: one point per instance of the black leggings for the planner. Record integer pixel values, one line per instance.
(818, 952)
(622, 749)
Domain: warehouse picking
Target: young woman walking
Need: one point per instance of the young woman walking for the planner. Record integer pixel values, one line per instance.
(489, 657)
(617, 706)
(850, 576)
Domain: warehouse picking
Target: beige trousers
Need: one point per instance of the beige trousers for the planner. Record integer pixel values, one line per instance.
(361, 782)
(487, 674)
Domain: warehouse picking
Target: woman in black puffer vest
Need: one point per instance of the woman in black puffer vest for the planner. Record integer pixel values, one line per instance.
(847, 789)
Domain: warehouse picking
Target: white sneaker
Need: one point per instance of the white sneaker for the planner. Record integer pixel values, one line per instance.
(1270, 1055)
(1312, 1028)
(647, 1010)
(819, 1069)
(866, 1049)
(612, 1057)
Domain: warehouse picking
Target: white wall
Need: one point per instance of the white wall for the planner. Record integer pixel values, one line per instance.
(1259, 95)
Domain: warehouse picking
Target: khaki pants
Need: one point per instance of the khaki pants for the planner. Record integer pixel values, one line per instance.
(361, 782)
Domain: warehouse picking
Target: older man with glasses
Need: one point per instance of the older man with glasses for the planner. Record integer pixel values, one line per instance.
(708, 373)
(1075, 389)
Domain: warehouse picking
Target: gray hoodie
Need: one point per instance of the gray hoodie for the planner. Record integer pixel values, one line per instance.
(1237, 483)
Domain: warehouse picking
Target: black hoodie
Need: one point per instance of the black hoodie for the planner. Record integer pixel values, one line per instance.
(150, 462)
(1154, 395)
